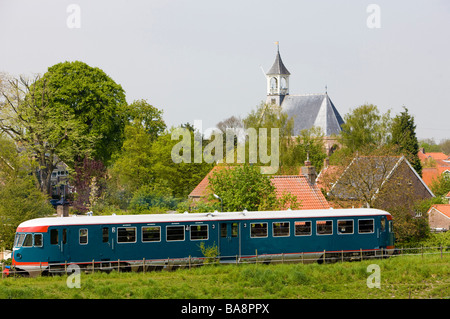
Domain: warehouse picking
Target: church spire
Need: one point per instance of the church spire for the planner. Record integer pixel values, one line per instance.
(277, 80)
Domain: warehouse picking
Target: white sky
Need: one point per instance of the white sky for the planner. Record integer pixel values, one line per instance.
(202, 59)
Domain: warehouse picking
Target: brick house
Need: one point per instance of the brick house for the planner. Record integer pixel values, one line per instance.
(376, 181)
(439, 217)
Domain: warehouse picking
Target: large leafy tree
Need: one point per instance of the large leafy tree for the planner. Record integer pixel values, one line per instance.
(94, 99)
(405, 140)
(71, 112)
(365, 128)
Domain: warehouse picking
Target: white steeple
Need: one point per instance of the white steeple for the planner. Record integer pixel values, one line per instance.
(277, 81)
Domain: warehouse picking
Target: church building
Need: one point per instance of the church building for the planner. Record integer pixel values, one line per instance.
(308, 110)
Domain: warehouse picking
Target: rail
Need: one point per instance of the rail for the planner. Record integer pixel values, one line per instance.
(191, 262)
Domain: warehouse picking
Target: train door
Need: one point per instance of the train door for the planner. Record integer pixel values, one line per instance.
(59, 248)
(108, 243)
(383, 232)
(229, 241)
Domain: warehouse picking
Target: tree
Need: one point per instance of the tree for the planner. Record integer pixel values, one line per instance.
(46, 134)
(243, 187)
(20, 201)
(72, 111)
(95, 101)
(404, 138)
(365, 128)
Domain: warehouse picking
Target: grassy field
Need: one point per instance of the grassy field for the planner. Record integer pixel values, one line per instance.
(400, 277)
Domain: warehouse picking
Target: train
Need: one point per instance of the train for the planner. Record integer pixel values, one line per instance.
(48, 245)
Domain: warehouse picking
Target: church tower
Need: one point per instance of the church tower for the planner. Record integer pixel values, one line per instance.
(277, 81)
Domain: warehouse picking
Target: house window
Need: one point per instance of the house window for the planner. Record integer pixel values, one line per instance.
(199, 232)
(151, 233)
(175, 233)
(324, 227)
(345, 226)
(303, 228)
(365, 226)
(126, 234)
(258, 230)
(83, 238)
(280, 229)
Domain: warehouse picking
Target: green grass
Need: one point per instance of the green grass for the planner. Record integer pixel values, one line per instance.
(401, 277)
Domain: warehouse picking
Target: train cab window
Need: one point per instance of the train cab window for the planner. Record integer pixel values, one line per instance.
(365, 226)
(54, 237)
(199, 232)
(324, 227)
(151, 233)
(303, 228)
(83, 236)
(383, 223)
(174, 233)
(345, 226)
(105, 234)
(126, 234)
(38, 240)
(28, 242)
(258, 230)
(280, 229)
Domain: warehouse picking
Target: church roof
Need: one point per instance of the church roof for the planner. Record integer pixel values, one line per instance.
(313, 110)
(278, 67)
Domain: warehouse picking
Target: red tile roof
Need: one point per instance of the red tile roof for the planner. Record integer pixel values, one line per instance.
(435, 155)
(309, 196)
(442, 208)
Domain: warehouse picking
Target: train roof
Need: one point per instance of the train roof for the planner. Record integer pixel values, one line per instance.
(199, 217)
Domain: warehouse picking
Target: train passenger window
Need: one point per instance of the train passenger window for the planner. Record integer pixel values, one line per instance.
(223, 230)
(280, 229)
(345, 226)
(54, 237)
(324, 227)
(174, 233)
(105, 234)
(151, 233)
(38, 240)
(234, 230)
(28, 242)
(303, 228)
(258, 230)
(126, 234)
(199, 232)
(365, 226)
(83, 236)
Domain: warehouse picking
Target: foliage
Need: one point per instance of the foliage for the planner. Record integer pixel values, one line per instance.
(365, 128)
(243, 187)
(210, 252)
(88, 174)
(404, 138)
(93, 99)
(441, 185)
(152, 198)
(20, 200)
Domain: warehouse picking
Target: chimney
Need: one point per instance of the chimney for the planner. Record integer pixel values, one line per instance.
(310, 172)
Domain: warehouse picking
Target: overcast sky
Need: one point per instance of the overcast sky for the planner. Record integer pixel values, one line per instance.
(203, 59)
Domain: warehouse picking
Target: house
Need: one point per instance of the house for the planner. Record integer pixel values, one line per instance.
(439, 217)
(302, 186)
(378, 181)
(435, 164)
(307, 110)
